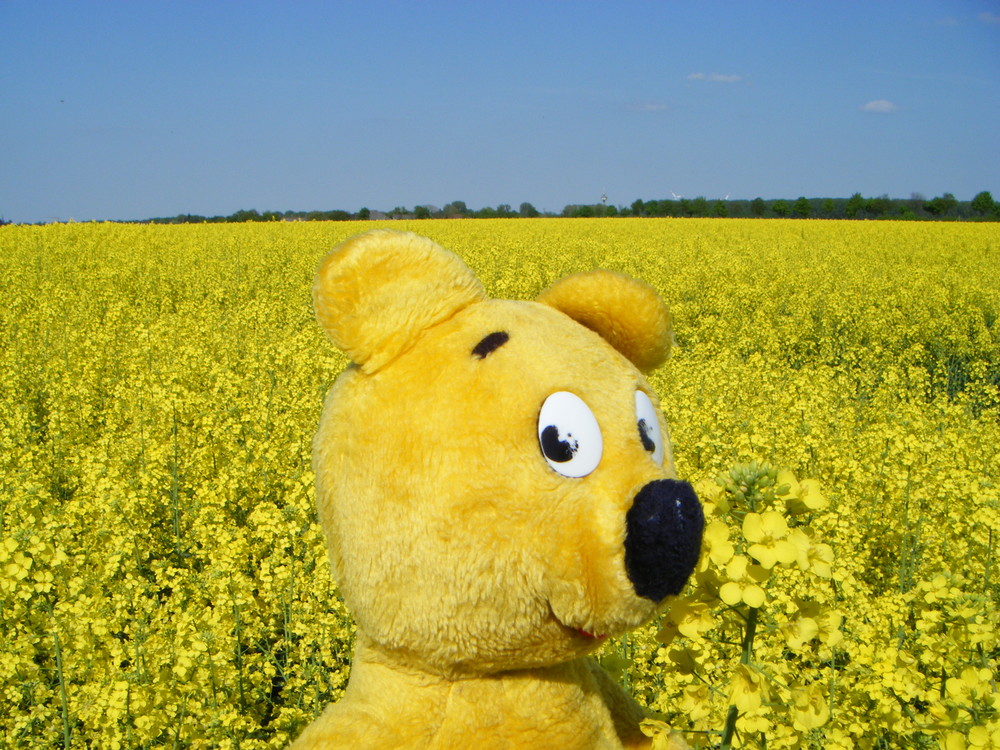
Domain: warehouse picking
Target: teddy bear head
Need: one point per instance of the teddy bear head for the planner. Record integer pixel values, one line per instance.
(494, 477)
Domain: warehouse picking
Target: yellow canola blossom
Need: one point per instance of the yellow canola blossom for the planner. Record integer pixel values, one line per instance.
(768, 534)
(749, 689)
(744, 583)
(718, 549)
(801, 497)
(810, 708)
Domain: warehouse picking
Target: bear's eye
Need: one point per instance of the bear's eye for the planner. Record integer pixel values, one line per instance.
(649, 427)
(569, 435)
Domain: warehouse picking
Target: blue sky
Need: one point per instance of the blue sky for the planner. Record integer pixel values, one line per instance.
(128, 110)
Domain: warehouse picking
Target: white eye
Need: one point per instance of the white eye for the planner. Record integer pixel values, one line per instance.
(569, 435)
(649, 427)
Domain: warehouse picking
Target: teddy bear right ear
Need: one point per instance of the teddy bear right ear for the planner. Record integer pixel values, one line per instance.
(376, 292)
(626, 312)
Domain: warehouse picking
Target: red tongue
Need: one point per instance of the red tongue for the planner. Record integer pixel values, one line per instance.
(585, 634)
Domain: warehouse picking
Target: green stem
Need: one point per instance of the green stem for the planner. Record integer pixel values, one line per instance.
(238, 623)
(748, 637)
(211, 675)
(727, 734)
(989, 565)
(64, 709)
(175, 487)
(907, 562)
(730, 729)
(623, 643)
(180, 722)
(270, 403)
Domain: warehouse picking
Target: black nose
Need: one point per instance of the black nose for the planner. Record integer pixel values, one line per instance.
(662, 538)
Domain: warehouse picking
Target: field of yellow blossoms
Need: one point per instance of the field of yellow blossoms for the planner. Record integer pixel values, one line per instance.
(834, 395)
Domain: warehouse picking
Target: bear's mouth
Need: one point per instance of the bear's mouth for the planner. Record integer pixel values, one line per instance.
(576, 632)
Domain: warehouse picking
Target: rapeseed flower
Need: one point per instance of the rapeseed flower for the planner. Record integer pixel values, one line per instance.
(744, 582)
(768, 534)
(810, 708)
(749, 689)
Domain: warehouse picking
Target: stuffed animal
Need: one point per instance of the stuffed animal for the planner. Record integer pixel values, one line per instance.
(497, 491)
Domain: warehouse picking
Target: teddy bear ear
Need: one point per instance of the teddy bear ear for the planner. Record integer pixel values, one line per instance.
(627, 313)
(376, 292)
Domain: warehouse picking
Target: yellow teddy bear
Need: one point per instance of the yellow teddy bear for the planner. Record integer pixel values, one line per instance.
(498, 495)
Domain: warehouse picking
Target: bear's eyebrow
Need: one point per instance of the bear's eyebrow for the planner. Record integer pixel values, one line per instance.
(490, 343)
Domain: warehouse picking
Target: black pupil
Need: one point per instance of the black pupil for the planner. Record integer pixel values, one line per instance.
(555, 449)
(644, 435)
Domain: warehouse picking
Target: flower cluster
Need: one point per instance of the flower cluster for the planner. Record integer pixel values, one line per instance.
(756, 636)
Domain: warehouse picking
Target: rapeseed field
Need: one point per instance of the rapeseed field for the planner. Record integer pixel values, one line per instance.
(834, 394)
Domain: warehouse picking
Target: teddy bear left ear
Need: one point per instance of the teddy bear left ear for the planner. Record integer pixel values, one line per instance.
(625, 312)
(376, 292)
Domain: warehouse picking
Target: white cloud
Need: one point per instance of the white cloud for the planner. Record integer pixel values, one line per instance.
(649, 107)
(715, 77)
(880, 106)
(988, 17)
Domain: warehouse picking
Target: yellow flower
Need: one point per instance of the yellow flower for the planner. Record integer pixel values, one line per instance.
(663, 737)
(696, 702)
(973, 683)
(821, 560)
(19, 566)
(749, 689)
(744, 583)
(43, 580)
(786, 483)
(7, 547)
(829, 623)
(980, 737)
(810, 495)
(718, 548)
(800, 632)
(810, 708)
(692, 618)
(754, 722)
(712, 496)
(935, 589)
(801, 497)
(803, 546)
(768, 532)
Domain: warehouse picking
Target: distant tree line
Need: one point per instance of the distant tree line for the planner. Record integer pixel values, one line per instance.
(916, 207)
(253, 215)
(945, 207)
(454, 210)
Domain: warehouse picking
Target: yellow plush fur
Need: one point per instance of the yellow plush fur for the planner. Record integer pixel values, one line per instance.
(480, 577)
